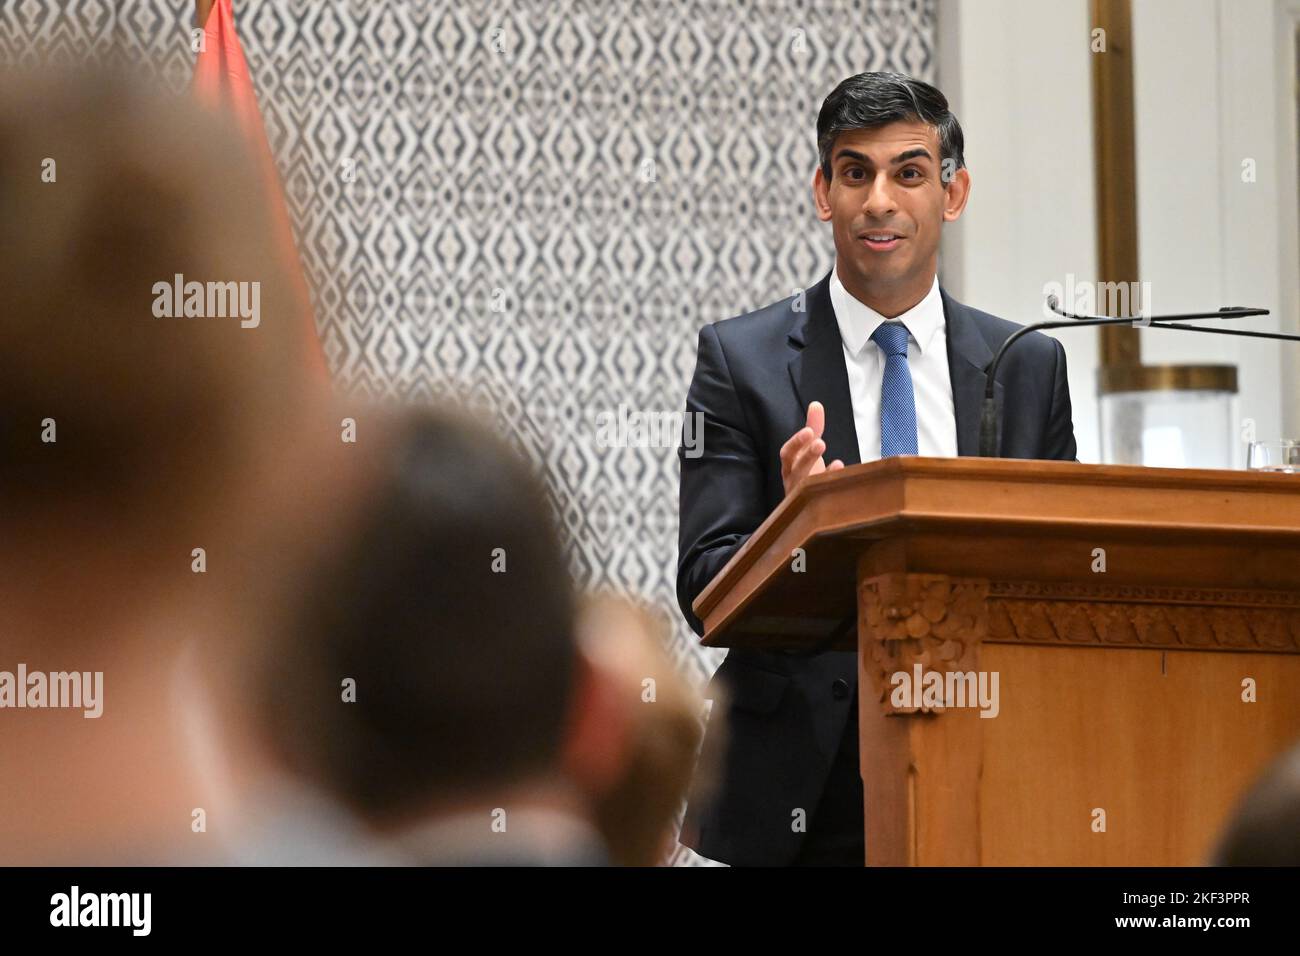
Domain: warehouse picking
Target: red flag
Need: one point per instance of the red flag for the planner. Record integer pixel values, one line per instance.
(222, 81)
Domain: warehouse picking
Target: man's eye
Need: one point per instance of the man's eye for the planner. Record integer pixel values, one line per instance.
(912, 173)
(854, 173)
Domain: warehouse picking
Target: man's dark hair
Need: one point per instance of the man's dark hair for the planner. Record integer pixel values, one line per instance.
(463, 654)
(872, 100)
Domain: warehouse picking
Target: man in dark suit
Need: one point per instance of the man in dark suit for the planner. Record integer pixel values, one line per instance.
(873, 360)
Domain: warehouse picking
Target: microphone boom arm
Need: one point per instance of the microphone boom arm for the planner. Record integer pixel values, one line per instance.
(988, 413)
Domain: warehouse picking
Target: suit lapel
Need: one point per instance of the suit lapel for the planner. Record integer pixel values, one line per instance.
(820, 375)
(968, 357)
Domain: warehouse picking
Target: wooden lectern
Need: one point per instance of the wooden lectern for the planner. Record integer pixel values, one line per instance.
(1143, 623)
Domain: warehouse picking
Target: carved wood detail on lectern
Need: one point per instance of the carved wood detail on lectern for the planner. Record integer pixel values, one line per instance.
(1151, 617)
(938, 621)
(931, 620)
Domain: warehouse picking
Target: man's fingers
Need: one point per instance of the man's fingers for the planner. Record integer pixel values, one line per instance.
(836, 465)
(801, 455)
(796, 442)
(791, 449)
(808, 454)
(817, 418)
(816, 467)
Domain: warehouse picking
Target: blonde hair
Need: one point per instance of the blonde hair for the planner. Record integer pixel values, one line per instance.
(637, 816)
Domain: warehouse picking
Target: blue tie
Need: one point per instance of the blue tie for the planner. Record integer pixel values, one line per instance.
(897, 401)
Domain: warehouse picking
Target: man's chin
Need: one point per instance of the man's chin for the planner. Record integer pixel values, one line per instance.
(877, 273)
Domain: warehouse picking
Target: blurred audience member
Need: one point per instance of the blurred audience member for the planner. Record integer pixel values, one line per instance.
(435, 684)
(1265, 829)
(637, 815)
(158, 467)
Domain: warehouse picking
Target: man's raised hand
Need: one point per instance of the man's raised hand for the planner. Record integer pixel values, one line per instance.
(802, 454)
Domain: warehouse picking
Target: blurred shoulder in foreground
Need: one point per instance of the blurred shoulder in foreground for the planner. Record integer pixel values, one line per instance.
(163, 465)
(1265, 828)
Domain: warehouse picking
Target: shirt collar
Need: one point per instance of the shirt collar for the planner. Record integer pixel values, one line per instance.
(537, 835)
(858, 321)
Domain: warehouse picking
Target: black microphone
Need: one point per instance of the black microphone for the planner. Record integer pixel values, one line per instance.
(989, 414)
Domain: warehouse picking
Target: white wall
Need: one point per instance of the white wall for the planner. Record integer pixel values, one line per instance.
(1207, 97)
(1213, 85)
(1016, 73)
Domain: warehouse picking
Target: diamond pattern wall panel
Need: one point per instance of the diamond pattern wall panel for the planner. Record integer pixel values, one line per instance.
(531, 207)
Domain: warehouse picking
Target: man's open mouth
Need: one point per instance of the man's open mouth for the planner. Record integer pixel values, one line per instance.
(881, 241)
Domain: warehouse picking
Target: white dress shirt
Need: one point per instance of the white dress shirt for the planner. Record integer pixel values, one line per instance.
(927, 360)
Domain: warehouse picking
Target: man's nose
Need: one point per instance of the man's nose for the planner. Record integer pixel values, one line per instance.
(881, 201)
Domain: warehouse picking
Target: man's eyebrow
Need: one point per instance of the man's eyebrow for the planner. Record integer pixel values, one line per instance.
(917, 153)
(853, 154)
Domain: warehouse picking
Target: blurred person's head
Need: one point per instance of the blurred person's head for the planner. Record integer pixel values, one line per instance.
(130, 439)
(1265, 827)
(435, 670)
(891, 172)
(665, 712)
(128, 435)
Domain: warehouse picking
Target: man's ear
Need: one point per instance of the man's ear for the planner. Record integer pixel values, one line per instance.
(955, 194)
(821, 195)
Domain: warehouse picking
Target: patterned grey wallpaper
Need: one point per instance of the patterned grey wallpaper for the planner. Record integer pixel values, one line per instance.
(531, 207)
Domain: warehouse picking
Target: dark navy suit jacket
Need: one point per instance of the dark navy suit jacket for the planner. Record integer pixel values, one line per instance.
(755, 376)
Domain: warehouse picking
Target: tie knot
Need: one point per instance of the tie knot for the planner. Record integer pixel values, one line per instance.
(891, 337)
